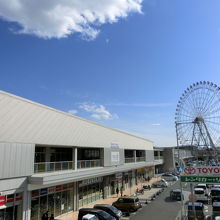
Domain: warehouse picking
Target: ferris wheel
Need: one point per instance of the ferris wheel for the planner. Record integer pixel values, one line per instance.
(197, 116)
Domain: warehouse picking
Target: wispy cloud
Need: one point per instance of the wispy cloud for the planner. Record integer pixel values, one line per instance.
(141, 104)
(73, 111)
(55, 18)
(97, 111)
(156, 124)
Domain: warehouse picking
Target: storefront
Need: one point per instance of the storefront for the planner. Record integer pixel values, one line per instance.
(140, 175)
(11, 206)
(90, 190)
(58, 200)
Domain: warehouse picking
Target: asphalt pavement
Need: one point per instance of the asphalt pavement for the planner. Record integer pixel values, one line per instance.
(161, 208)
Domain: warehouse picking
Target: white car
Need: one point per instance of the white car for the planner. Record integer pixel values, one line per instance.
(169, 177)
(162, 183)
(89, 217)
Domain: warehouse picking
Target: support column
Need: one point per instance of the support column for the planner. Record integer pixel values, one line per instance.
(134, 152)
(27, 205)
(75, 157)
(76, 196)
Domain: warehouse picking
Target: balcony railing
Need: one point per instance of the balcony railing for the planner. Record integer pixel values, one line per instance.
(53, 166)
(81, 164)
(129, 159)
(139, 159)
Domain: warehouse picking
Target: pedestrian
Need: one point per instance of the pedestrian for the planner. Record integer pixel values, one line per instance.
(45, 216)
(117, 191)
(51, 217)
(121, 190)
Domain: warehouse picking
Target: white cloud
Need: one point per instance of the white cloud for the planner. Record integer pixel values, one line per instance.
(141, 104)
(73, 111)
(98, 111)
(60, 18)
(156, 124)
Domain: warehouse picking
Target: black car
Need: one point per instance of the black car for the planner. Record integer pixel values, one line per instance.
(215, 194)
(109, 209)
(100, 214)
(199, 210)
(216, 209)
(175, 194)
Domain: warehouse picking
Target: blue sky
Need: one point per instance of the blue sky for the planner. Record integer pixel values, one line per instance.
(126, 72)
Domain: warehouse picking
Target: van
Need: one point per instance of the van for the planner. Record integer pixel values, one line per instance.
(201, 195)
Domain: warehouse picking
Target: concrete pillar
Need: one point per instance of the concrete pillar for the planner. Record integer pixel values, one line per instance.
(105, 186)
(27, 205)
(75, 157)
(134, 152)
(76, 196)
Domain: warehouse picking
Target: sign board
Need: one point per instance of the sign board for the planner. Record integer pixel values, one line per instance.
(2, 200)
(115, 157)
(90, 181)
(200, 179)
(118, 176)
(201, 171)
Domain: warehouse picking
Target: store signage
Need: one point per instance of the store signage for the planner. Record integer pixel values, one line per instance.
(200, 179)
(201, 171)
(115, 157)
(115, 145)
(90, 181)
(43, 191)
(118, 176)
(2, 200)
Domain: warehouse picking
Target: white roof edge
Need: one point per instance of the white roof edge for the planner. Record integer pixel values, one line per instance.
(68, 114)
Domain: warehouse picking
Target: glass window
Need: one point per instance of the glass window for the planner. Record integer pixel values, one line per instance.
(43, 205)
(34, 208)
(51, 203)
(2, 211)
(64, 202)
(57, 204)
(70, 199)
(9, 213)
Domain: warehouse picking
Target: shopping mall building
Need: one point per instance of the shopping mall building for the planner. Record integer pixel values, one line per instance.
(52, 160)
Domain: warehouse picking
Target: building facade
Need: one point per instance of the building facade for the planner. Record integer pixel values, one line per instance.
(52, 160)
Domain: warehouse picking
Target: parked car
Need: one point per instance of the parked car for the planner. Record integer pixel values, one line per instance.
(201, 195)
(199, 209)
(89, 217)
(215, 194)
(175, 194)
(215, 209)
(162, 183)
(169, 177)
(100, 214)
(110, 209)
(125, 203)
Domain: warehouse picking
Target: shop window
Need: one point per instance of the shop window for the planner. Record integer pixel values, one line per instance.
(40, 154)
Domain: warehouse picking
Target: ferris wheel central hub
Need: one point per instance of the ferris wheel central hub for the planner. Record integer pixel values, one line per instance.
(198, 120)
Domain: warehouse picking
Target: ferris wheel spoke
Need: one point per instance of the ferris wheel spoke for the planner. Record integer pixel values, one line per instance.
(214, 111)
(192, 104)
(207, 106)
(212, 106)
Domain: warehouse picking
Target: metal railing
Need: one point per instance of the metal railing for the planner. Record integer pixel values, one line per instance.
(139, 159)
(81, 164)
(129, 159)
(53, 166)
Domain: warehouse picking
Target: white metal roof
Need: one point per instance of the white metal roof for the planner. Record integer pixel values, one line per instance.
(24, 121)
